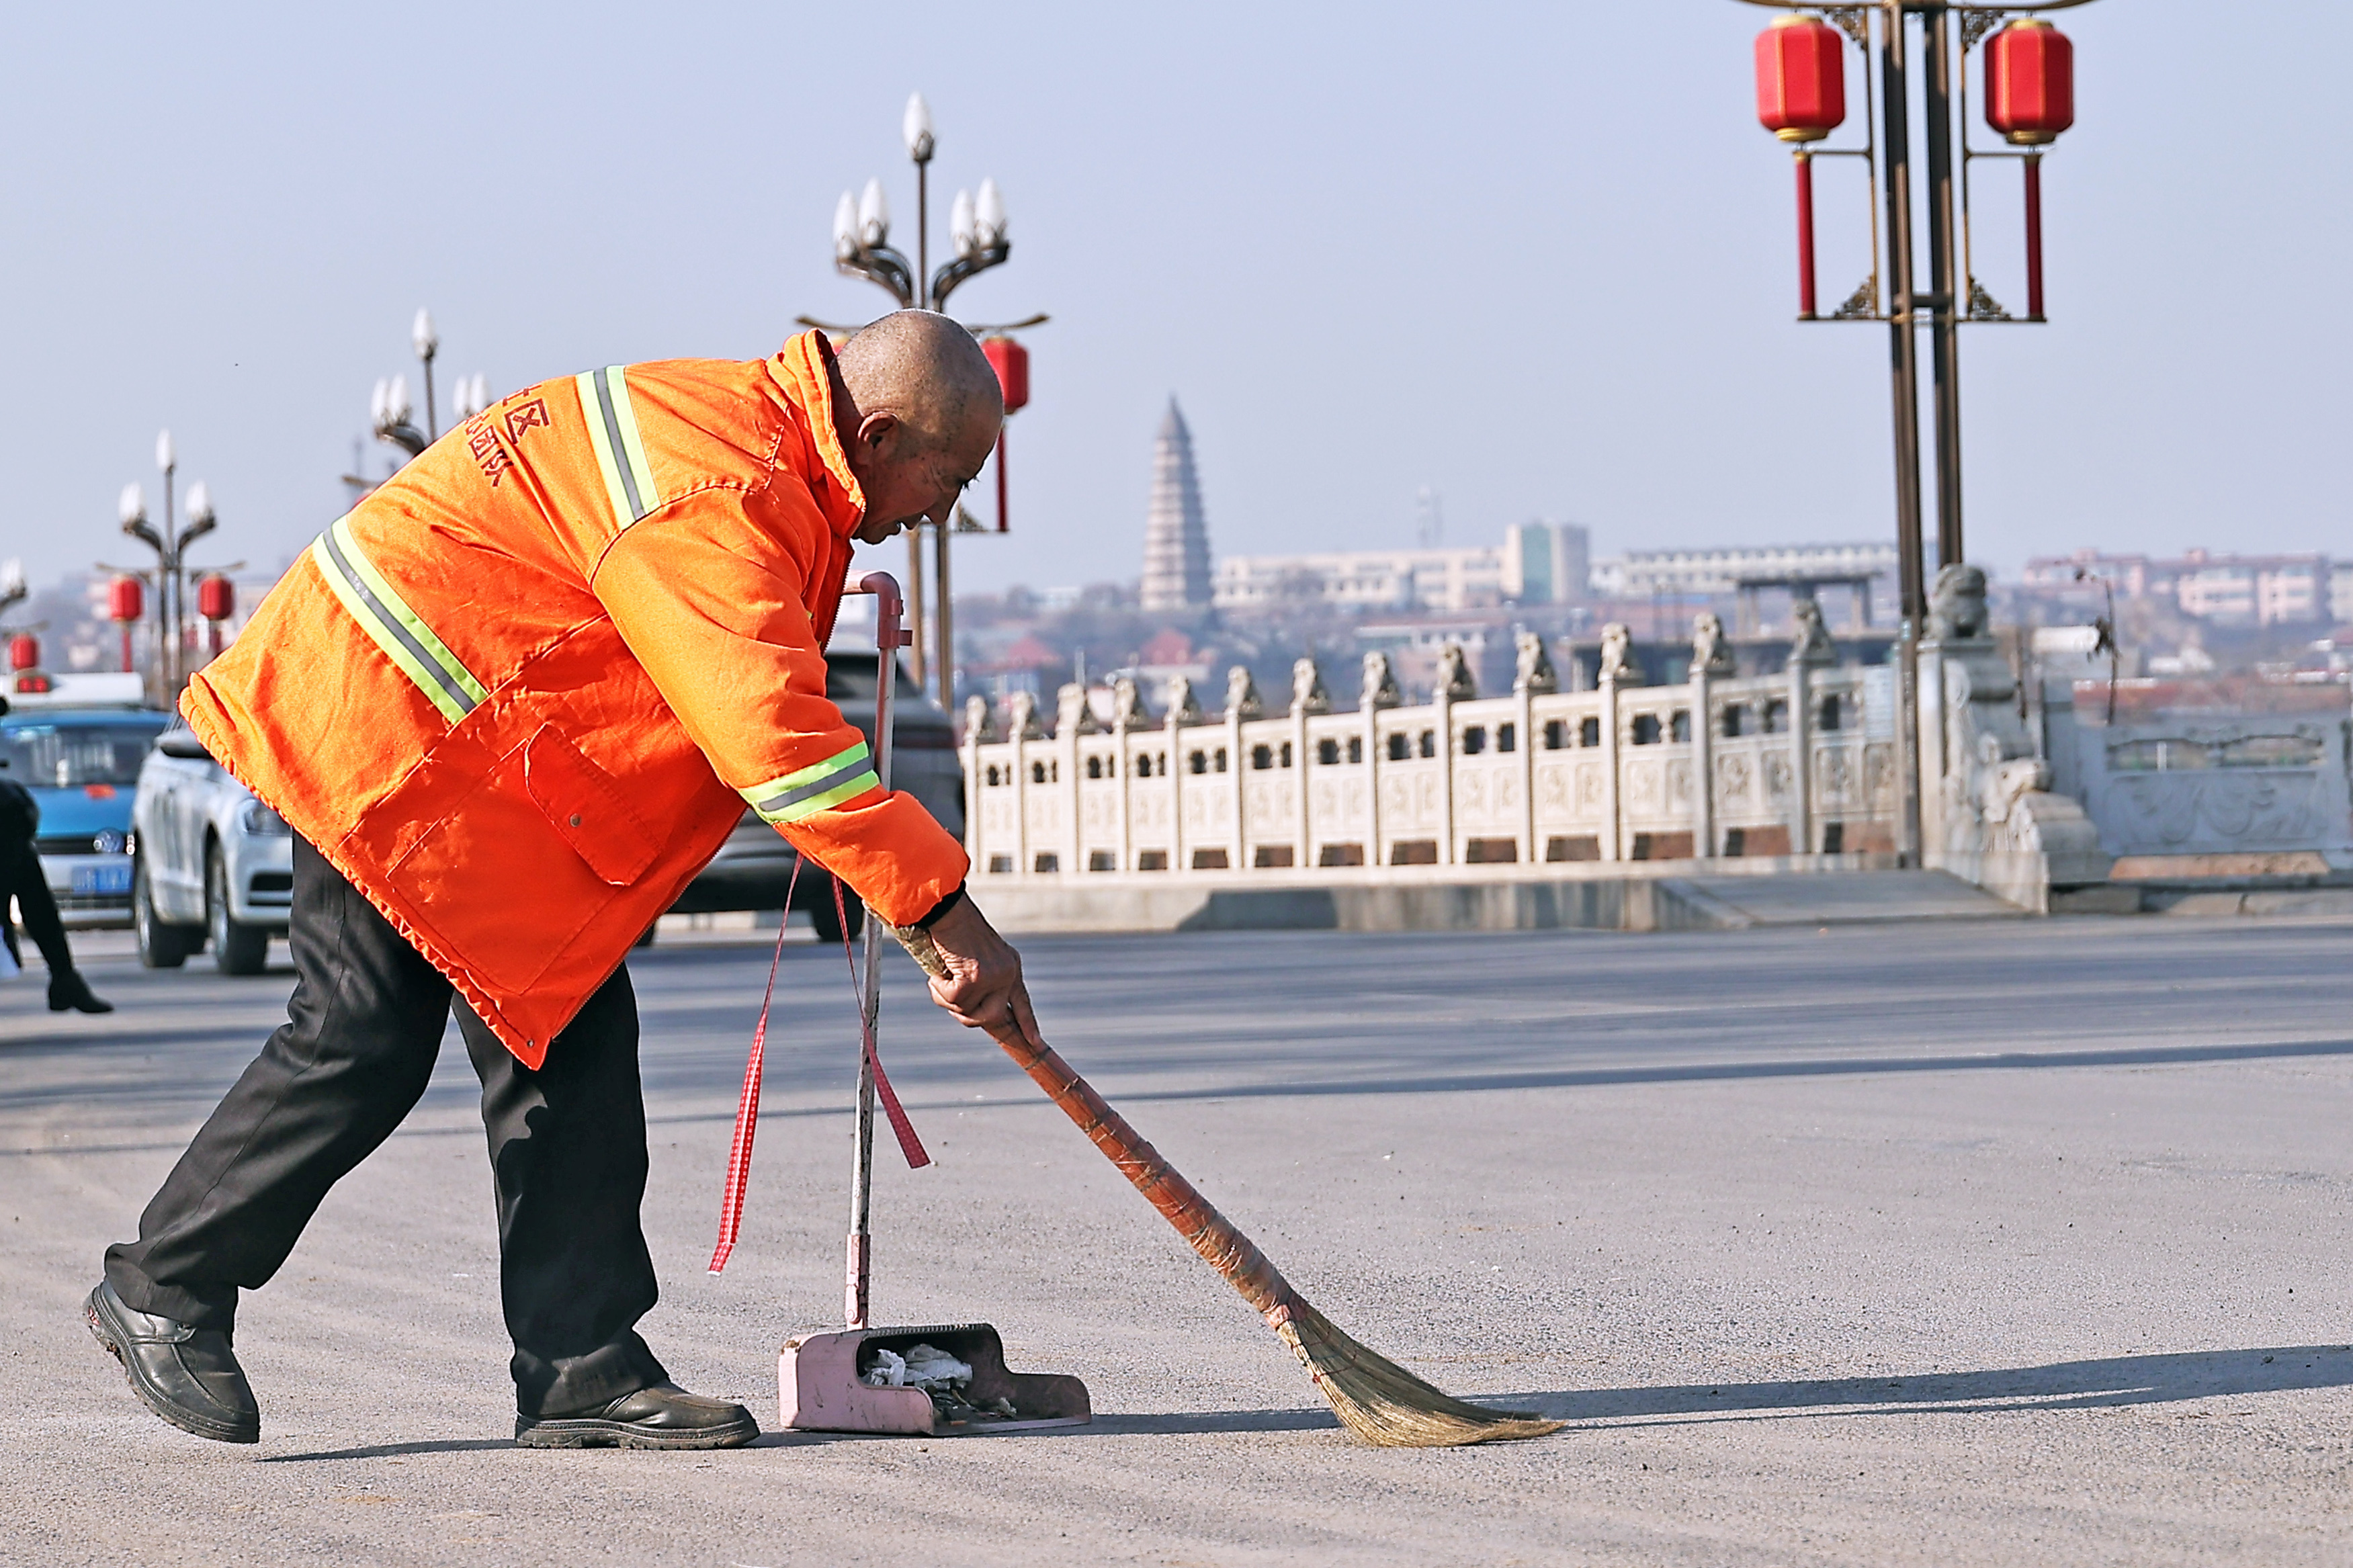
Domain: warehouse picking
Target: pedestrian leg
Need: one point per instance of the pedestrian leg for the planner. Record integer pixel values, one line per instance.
(20, 873)
(568, 1155)
(363, 1029)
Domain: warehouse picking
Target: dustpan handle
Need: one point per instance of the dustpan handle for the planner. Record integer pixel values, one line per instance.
(889, 637)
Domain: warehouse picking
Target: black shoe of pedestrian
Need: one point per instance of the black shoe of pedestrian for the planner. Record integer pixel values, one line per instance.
(188, 1376)
(662, 1417)
(70, 990)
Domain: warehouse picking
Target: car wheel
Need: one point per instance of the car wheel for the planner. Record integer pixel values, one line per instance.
(828, 924)
(238, 948)
(161, 945)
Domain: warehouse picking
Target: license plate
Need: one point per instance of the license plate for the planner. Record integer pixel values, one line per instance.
(101, 880)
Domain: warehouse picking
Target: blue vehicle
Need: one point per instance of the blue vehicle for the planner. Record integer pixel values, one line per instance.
(82, 766)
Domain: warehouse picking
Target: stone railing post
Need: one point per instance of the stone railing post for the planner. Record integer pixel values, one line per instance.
(1020, 718)
(1443, 706)
(1173, 723)
(1703, 767)
(1801, 731)
(1127, 716)
(1072, 718)
(1710, 659)
(1810, 647)
(977, 728)
(1534, 678)
(1241, 702)
(1612, 841)
(1379, 691)
(1308, 696)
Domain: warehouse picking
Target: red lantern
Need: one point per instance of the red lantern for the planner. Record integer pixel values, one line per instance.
(24, 651)
(126, 600)
(2029, 82)
(216, 598)
(1011, 363)
(1801, 79)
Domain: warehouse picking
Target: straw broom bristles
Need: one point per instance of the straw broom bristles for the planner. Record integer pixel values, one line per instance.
(1386, 1405)
(1377, 1399)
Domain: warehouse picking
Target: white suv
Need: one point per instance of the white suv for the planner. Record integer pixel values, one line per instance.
(213, 866)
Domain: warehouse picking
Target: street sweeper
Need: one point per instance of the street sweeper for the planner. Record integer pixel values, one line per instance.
(510, 705)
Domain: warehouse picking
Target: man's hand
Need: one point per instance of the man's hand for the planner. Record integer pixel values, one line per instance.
(984, 988)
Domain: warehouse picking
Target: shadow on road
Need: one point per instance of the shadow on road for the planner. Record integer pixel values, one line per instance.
(1697, 1073)
(2108, 1384)
(2065, 1386)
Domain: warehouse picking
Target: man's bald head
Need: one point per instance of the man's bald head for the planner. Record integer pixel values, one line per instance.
(927, 370)
(918, 408)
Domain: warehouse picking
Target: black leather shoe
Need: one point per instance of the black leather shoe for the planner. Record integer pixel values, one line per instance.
(70, 990)
(188, 1376)
(662, 1417)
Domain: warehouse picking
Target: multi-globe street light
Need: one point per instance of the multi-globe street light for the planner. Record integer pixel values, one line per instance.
(170, 543)
(2030, 99)
(391, 415)
(862, 249)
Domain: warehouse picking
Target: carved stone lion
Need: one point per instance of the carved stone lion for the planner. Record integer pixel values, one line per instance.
(1243, 700)
(1184, 708)
(1074, 715)
(1617, 665)
(1811, 643)
(1710, 653)
(1307, 693)
(1381, 688)
(1957, 609)
(1535, 674)
(1128, 706)
(1021, 717)
(1454, 673)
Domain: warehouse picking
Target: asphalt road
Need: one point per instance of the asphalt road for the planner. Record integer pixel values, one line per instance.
(1941, 1243)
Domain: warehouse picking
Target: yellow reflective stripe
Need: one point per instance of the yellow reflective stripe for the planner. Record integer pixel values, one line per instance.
(393, 626)
(807, 791)
(620, 450)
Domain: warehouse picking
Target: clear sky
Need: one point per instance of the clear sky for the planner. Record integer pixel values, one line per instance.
(1536, 256)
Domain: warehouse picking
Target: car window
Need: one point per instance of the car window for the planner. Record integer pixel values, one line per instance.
(70, 756)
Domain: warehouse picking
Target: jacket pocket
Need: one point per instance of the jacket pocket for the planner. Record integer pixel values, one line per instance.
(586, 808)
(515, 868)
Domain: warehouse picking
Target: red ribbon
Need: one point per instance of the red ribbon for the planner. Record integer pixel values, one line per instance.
(909, 1145)
(747, 1109)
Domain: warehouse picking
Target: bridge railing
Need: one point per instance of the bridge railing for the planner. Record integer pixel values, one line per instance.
(1798, 762)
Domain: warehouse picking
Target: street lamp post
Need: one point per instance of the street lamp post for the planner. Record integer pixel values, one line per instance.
(1801, 99)
(862, 249)
(170, 544)
(391, 415)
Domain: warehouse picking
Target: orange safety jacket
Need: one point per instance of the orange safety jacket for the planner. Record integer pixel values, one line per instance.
(521, 692)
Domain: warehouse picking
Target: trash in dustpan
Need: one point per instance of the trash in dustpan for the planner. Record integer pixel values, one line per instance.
(945, 1381)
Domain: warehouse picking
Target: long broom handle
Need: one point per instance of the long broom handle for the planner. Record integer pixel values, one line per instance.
(1205, 1230)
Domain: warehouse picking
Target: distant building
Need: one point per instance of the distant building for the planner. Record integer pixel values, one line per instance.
(1444, 580)
(1670, 574)
(1176, 532)
(1547, 563)
(2227, 590)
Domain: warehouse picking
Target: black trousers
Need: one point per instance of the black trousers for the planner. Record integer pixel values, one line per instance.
(364, 1026)
(21, 878)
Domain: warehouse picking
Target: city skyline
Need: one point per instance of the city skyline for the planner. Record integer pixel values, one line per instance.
(226, 274)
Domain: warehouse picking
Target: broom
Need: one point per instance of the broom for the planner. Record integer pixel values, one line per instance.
(1377, 1400)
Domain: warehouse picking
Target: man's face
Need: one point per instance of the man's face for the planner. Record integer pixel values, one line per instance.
(906, 485)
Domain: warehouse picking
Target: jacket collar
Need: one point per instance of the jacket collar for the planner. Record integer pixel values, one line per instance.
(803, 371)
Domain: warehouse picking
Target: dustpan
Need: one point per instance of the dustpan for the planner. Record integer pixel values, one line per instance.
(821, 1372)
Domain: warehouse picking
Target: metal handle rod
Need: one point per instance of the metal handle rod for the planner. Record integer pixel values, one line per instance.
(889, 638)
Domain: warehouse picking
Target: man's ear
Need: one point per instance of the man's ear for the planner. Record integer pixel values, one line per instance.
(876, 430)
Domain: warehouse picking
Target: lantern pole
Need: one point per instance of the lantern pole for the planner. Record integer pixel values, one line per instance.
(1944, 303)
(1903, 378)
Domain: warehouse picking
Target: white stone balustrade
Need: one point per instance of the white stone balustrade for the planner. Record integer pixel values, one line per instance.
(1798, 762)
